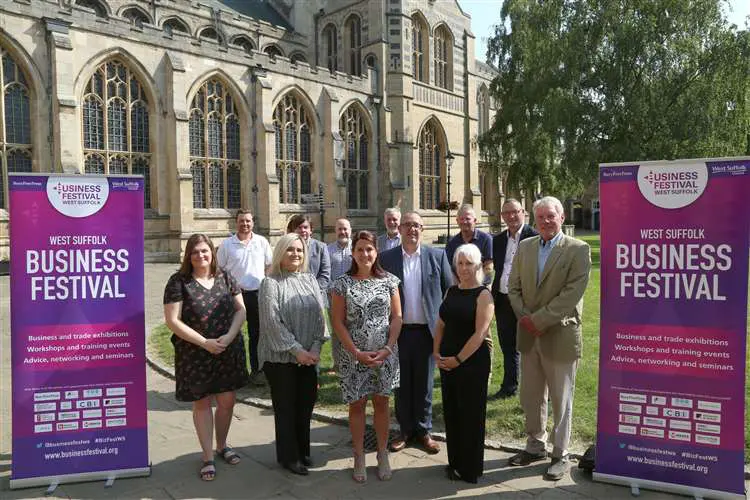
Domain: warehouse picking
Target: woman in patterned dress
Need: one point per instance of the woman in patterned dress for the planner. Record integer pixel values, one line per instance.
(366, 312)
(204, 309)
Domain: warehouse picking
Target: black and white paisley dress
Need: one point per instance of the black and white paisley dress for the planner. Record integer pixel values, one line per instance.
(368, 313)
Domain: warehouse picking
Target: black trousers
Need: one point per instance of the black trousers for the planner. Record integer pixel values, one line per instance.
(294, 390)
(414, 396)
(253, 326)
(506, 334)
(464, 411)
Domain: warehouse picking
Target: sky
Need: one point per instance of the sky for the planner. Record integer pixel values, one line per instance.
(486, 13)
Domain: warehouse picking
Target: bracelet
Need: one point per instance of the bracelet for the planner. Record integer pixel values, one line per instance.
(458, 359)
(388, 348)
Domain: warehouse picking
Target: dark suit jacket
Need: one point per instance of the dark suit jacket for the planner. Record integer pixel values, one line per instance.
(319, 263)
(499, 246)
(437, 277)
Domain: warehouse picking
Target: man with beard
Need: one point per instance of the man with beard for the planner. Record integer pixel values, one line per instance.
(425, 276)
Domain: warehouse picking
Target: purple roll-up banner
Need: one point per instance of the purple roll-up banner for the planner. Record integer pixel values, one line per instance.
(77, 328)
(674, 285)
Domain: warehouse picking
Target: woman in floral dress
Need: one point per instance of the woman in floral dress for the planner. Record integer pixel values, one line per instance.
(204, 309)
(366, 312)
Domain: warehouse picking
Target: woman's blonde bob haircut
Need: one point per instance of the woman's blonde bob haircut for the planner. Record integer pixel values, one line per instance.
(471, 253)
(280, 250)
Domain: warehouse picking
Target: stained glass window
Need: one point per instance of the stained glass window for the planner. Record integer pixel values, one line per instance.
(443, 58)
(419, 43)
(356, 161)
(214, 134)
(430, 166)
(116, 124)
(330, 44)
(15, 122)
(293, 149)
(353, 33)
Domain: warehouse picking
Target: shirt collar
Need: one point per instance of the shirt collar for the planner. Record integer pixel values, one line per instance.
(417, 253)
(551, 243)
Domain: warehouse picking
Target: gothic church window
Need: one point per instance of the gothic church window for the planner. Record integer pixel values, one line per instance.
(98, 7)
(293, 149)
(174, 24)
(273, 51)
(431, 160)
(443, 58)
(329, 43)
(15, 122)
(353, 34)
(214, 136)
(116, 124)
(356, 160)
(420, 48)
(136, 16)
(210, 34)
(244, 43)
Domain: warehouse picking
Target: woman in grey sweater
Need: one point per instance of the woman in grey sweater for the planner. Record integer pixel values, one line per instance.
(294, 328)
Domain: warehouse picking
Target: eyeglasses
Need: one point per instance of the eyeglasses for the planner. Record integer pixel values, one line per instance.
(511, 212)
(411, 225)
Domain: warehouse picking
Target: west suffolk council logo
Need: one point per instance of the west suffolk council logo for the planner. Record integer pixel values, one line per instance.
(672, 185)
(77, 196)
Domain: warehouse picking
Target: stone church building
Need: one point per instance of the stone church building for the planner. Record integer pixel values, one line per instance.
(260, 104)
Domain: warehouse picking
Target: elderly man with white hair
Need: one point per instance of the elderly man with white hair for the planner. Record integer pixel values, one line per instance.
(546, 286)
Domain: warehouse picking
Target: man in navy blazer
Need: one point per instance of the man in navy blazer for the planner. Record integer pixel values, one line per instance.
(425, 275)
(504, 247)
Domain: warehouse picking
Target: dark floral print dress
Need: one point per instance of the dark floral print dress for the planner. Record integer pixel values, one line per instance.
(368, 319)
(199, 373)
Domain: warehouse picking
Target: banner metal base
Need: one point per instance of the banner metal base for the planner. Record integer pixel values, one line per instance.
(635, 484)
(53, 481)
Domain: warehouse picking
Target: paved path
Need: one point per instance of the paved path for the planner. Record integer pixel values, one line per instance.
(175, 457)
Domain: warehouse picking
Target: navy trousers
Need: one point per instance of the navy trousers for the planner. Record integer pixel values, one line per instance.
(506, 334)
(414, 396)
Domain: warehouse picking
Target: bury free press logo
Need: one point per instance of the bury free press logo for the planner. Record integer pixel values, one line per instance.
(77, 196)
(672, 186)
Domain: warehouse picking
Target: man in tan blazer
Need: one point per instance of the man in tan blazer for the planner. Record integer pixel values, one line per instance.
(546, 286)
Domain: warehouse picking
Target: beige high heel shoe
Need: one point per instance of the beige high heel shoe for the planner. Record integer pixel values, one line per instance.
(359, 473)
(384, 466)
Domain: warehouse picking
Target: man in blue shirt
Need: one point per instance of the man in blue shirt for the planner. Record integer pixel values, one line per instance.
(467, 221)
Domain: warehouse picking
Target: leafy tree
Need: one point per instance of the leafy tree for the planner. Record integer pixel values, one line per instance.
(582, 82)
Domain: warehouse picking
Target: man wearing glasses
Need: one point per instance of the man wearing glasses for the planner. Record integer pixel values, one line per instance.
(425, 275)
(504, 247)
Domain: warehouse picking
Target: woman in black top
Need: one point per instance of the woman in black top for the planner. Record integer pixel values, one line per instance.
(463, 357)
(204, 309)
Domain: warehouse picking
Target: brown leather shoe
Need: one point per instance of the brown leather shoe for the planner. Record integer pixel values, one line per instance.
(429, 445)
(398, 444)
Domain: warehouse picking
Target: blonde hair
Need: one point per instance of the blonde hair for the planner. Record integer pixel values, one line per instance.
(471, 252)
(280, 250)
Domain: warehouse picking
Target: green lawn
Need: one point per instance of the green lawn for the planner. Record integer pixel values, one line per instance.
(504, 418)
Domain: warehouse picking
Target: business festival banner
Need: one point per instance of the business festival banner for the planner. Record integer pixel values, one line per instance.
(77, 328)
(674, 290)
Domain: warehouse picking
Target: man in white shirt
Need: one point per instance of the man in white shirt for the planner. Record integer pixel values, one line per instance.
(246, 256)
(504, 247)
(392, 237)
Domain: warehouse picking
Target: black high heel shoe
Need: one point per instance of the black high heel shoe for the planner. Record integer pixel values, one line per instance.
(296, 468)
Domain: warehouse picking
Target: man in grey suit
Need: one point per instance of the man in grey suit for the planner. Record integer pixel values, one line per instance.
(425, 275)
(546, 286)
(391, 238)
